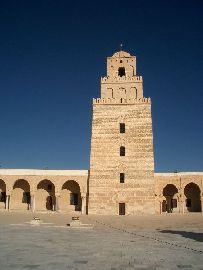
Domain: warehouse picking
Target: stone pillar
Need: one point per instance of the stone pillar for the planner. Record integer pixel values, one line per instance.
(160, 207)
(57, 203)
(202, 204)
(160, 200)
(183, 205)
(83, 207)
(7, 202)
(179, 205)
(32, 203)
(181, 201)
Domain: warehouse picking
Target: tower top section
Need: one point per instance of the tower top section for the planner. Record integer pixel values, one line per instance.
(121, 85)
(121, 54)
(121, 64)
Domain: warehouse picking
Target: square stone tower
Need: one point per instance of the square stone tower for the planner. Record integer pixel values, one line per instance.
(122, 160)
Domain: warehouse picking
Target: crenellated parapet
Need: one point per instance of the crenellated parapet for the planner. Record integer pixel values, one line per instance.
(124, 79)
(121, 100)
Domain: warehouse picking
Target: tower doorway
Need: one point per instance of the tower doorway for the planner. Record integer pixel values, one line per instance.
(121, 209)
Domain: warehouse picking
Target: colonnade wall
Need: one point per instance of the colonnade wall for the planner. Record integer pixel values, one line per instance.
(179, 192)
(43, 190)
(67, 191)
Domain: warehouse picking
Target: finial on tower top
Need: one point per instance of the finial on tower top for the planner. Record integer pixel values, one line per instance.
(121, 47)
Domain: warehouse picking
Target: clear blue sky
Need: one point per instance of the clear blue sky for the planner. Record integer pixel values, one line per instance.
(52, 54)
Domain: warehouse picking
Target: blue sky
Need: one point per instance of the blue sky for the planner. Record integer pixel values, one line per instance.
(53, 54)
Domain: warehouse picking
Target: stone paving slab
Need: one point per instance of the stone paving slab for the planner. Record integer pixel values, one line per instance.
(107, 246)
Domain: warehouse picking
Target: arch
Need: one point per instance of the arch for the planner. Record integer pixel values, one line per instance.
(132, 70)
(70, 199)
(109, 92)
(45, 196)
(20, 195)
(122, 92)
(170, 204)
(192, 194)
(133, 93)
(2, 194)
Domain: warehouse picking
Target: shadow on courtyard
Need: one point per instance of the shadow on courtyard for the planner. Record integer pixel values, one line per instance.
(191, 235)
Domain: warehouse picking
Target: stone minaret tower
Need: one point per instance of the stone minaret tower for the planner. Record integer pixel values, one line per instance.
(122, 160)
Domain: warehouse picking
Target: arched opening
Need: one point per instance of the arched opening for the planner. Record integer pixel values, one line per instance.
(2, 194)
(192, 194)
(121, 93)
(132, 70)
(170, 204)
(121, 71)
(20, 196)
(45, 196)
(133, 93)
(70, 199)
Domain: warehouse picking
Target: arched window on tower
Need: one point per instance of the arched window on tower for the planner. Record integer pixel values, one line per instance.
(121, 71)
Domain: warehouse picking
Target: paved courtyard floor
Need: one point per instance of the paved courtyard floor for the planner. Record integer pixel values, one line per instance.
(122, 242)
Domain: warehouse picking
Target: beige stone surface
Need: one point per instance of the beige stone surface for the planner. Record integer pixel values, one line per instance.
(46, 189)
(121, 102)
(182, 186)
(121, 80)
(127, 242)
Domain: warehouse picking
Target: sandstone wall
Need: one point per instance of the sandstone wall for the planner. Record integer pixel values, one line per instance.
(106, 164)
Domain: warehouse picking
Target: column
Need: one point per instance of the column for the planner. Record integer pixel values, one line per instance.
(183, 204)
(83, 208)
(202, 204)
(7, 201)
(181, 201)
(57, 203)
(32, 203)
(160, 207)
(160, 199)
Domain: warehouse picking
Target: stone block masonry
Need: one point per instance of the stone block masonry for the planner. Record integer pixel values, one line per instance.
(107, 162)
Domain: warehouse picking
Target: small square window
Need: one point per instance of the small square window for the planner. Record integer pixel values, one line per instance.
(122, 178)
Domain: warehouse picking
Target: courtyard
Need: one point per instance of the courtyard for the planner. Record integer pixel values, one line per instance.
(168, 241)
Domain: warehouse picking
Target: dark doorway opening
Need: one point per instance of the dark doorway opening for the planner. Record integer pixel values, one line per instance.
(49, 203)
(121, 209)
(121, 71)
(193, 197)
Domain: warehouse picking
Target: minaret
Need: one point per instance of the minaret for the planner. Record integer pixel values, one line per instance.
(122, 159)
